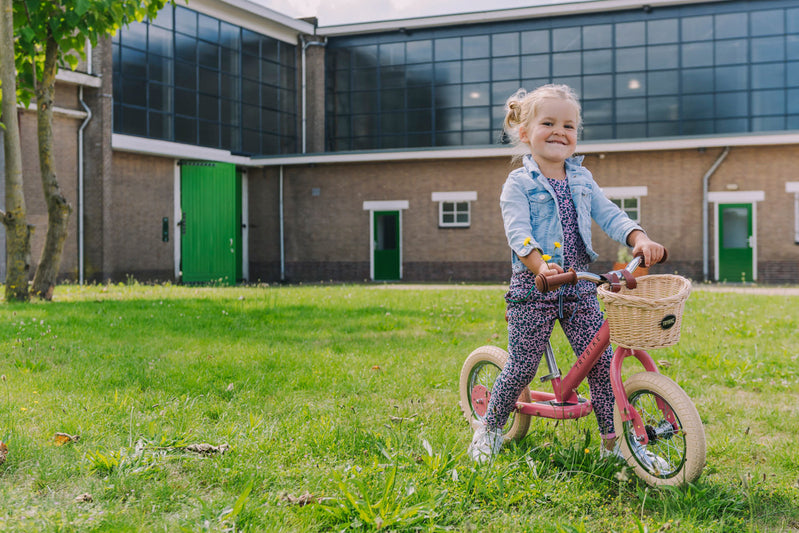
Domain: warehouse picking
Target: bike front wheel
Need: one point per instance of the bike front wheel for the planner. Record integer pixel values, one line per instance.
(675, 454)
(478, 374)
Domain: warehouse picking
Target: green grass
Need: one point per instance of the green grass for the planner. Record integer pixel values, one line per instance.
(339, 405)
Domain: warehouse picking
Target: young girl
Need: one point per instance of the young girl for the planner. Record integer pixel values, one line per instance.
(547, 207)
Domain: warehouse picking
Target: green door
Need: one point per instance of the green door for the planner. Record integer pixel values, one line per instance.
(735, 242)
(386, 259)
(210, 245)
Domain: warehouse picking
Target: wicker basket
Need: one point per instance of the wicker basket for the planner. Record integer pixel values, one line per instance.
(649, 316)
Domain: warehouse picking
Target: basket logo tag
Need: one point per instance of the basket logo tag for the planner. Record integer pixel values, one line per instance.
(668, 322)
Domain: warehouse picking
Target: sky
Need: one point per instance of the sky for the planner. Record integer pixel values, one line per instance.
(332, 12)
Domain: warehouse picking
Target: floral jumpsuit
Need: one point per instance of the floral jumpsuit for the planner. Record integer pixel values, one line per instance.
(531, 318)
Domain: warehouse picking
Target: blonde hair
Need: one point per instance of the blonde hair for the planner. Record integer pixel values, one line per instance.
(522, 106)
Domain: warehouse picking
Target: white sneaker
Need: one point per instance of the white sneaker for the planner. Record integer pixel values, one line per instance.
(615, 453)
(485, 444)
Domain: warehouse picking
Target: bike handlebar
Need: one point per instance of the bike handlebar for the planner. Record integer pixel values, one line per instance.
(550, 283)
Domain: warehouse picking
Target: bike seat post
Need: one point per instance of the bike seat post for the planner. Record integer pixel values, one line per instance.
(552, 365)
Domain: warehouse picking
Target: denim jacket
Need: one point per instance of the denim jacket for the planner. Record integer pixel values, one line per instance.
(530, 209)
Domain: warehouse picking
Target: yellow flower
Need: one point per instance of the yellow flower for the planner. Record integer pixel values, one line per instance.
(527, 241)
(557, 245)
(546, 257)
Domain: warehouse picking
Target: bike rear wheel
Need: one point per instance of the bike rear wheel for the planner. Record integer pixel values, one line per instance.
(675, 454)
(478, 374)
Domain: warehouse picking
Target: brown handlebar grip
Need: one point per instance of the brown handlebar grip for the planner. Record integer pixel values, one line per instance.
(550, 283)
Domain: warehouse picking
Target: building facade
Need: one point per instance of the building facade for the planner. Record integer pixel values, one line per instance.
(240, 144)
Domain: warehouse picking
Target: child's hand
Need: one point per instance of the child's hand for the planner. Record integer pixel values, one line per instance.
(550, 269)
(643, 245)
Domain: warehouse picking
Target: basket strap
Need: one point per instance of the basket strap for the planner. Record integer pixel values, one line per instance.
(615, 286)
(629, 279)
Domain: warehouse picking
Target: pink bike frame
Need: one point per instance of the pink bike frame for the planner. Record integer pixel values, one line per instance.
(565, 404)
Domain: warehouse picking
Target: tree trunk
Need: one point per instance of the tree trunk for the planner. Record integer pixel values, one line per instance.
(58, 209)
(18, 232)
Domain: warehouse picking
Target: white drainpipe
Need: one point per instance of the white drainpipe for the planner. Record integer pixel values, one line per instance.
(705, 226)
(282, 239)
(81, 236)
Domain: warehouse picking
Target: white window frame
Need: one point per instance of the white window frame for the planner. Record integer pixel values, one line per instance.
(455, 197)
(793, 187)
(627, 193)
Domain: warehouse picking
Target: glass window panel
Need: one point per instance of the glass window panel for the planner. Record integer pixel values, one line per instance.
(768, 102)
(476, 94)
(476, 70)
(595, 132)
(769, 22)
(697, 80)
(134, 121)
(696, 106)
(535, 42)
(501, 91)
(475, 138)
(250, 66)
(597, 111)
(732, 51)
(630, 33)
(164, 18)
(228, 35)
(449, 139)
(628, 59)
(160, 69)
(631, 110)
(448, 49)
(731, 25)
(566, 64)
(792, 73)
(287, 77)
(136, 36)
(535, 66)
(209, 82)
(793, 101)
(768, 123)
(663, 57)
(419, 121)
(185, 48)
(393, 123)
(341, 81)
(209, 133)
(229, 60)
(792, 20)
(160, 41)
(663, 108)
(663, 129)
(209, 108)
(134, 63)
(269, 96)
(732, 78)
(421, 74)
(419, 51)
(575, 82)
(250, 42)
(664, 82)
(449, 72)
(364, 124)
(364, 102)
(364, 56)
(792, 46)
(420, 97)
(476, 118)
(229, 110)
(505, 44)
(697, 28)
(251, 142)
(732, 125)
(393, 141)
(342, 127)
(134, 92)
(392, 76)
(448, 119)
(697, 55)
(476, 46)
(208, 28)
(160, 125)
(566, 39)
(250, 91)
(186, 130)
(160, 97)
(768, 49)
(630, 131)
(662, 31)
(365, 78)
(597, 61)
(598, 86)
(733, 104)
(185, 102)
(392, 54)
(448, 95)
(633, 84)
(505, 68)
(768, 76)
(186, 21)
(208, 54)
(599, 36)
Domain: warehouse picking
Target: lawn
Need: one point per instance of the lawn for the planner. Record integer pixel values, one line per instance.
(335, 407)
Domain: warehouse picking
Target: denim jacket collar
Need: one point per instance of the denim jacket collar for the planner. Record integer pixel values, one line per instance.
(572, 164)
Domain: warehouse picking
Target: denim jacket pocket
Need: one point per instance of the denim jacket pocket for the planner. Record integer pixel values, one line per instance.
(542, 205)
